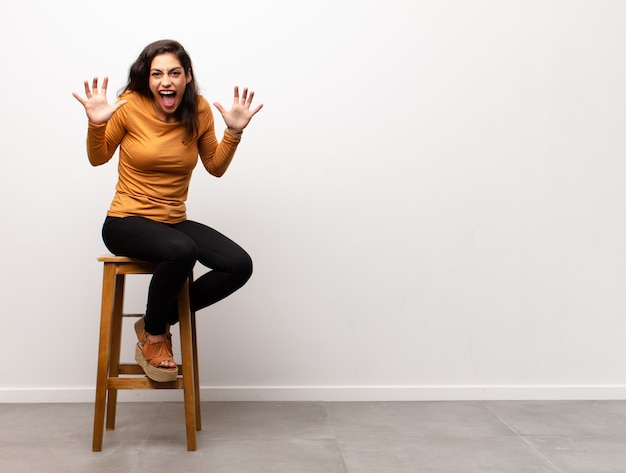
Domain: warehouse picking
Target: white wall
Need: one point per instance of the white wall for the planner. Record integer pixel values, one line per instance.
(433, 196)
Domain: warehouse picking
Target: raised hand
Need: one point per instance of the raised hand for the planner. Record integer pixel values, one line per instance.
(238, 117)
(96, 106)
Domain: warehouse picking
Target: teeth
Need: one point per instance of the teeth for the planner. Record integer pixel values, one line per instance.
(167, 93)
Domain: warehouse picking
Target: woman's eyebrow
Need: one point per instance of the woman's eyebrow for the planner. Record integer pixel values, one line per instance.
(169, 70)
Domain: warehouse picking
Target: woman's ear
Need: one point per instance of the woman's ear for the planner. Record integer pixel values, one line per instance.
(189, 76)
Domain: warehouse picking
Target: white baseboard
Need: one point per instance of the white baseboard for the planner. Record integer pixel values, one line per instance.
(330, 393)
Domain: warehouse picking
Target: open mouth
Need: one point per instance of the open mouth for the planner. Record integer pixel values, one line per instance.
(168, 98)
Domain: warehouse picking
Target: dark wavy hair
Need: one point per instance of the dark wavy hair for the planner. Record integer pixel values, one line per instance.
(139, 77)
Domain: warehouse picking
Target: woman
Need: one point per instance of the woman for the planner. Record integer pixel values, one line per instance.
(161, 125)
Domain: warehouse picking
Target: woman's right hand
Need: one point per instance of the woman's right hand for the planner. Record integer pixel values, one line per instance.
(98, 110)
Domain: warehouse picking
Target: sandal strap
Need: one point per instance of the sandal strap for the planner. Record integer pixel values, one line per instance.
(156, 352)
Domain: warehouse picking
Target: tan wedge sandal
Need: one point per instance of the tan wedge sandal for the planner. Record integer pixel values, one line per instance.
(149, 355)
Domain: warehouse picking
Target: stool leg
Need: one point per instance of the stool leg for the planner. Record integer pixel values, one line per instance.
(196, 376)
(116, 348)
(104, 346)
(184, 315)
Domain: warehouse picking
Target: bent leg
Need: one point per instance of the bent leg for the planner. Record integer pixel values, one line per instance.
(230, 265)
(173, 252)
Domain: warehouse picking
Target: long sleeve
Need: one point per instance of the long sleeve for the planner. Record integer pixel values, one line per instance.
(103, 140)
(216, 157)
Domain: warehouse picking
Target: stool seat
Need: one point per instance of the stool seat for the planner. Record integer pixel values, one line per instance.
(113, 375)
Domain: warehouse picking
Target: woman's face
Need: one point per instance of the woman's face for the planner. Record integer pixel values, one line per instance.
(167, 84)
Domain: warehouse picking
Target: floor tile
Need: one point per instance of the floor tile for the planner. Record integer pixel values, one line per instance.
(35, 424)
(63, 456)
(602, 454)
(443, 455)
(295, 420)
(248, 456)
(414, 419)
(567, 418)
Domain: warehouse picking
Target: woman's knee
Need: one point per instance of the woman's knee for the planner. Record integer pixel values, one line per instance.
(243, 266)
(182, 252)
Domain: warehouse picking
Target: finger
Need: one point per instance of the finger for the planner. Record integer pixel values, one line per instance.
(79, 98)
(250, 97)
(244, 96)
(87, 89)
(259, 107)
(219, 107)
(120, 104)
(236, 94)
(105, 83)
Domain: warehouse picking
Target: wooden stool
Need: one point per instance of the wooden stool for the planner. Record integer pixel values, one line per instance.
(109, 367)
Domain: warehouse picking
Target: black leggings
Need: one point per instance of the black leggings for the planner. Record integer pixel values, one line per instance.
(175, 248)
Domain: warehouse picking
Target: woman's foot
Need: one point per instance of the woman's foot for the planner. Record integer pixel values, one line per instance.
(162, 339)
(155, 356)
(140, 330)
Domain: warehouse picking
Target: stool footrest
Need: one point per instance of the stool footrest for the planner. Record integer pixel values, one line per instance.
(142, 383)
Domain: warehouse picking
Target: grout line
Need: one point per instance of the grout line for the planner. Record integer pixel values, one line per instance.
(334, 437)
(524, 439)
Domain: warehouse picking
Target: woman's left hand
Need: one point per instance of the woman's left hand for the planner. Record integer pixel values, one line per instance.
(238, 117)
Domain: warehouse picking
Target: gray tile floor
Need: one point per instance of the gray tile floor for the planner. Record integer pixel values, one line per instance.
(322, 437)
